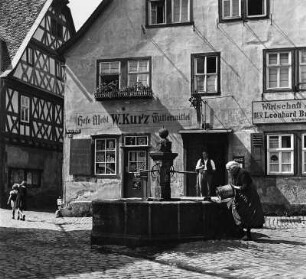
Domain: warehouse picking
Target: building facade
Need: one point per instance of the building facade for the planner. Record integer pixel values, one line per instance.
(32, 97)
(227, 76)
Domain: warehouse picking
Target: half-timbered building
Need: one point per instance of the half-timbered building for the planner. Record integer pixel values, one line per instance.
(31, 96)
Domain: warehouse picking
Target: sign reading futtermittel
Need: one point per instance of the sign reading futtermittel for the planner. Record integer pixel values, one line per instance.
(136, 119)
(285, 111)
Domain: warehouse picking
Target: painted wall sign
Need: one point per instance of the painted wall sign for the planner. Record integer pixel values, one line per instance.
(152, 118)
(71, 132)
(287, 111)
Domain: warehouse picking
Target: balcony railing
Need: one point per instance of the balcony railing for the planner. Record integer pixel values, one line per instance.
(106, 92)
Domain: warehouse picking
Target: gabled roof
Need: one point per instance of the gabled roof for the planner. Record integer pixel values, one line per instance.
(16, 20)
(19, 20)
(97, 12)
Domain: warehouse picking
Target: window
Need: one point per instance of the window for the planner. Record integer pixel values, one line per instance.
(285, 70)
(302, 69)
(231, 9)
(163, 12)
(24, 109)
(279, 68)
(137, 160)
(206, 73)
(58, 70)
(56, 29)
(243, 9)
(106, 156)
(280, 154)
(180, 11)
(136, 141)
(256, 8)
(138, 72)
(304, 153)
(31, 176)
(124, 73)
(30, 56)
(110, 73)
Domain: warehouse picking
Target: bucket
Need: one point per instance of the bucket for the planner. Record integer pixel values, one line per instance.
(225, 192)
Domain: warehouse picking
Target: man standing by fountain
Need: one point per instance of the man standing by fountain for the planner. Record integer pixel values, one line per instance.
(205, 168)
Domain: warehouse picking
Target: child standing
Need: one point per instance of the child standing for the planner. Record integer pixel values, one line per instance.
(21, 200)
(13, 199)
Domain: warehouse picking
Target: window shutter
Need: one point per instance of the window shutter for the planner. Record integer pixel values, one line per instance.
(81, 157)
(257, 153)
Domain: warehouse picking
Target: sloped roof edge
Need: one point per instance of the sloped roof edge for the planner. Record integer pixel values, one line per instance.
(98, 11)
(27, 38)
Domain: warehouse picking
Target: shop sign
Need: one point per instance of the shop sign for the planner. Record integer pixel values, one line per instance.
(151, 118)
(287, 111)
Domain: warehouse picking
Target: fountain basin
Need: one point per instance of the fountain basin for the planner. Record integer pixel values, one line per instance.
(134, 222)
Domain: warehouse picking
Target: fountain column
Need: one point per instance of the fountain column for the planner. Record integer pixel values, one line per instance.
(164, 159)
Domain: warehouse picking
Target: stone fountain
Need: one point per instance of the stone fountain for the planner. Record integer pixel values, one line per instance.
(161, 220)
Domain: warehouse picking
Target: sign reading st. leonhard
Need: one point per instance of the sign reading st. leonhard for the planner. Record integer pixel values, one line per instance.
(285, 111)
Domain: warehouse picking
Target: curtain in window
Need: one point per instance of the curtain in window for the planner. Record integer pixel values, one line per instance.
(231, 8)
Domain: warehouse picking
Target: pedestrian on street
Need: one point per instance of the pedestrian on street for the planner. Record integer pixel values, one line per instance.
(21, 200)
(245, 206)
(205, 168)
(12, 199)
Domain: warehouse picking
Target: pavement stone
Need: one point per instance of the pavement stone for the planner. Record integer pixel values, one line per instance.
(47, 247)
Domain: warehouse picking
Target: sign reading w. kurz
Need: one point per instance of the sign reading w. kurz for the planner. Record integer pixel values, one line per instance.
(152, 118)
(285, 111)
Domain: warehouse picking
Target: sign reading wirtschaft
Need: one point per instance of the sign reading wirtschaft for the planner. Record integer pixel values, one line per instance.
(152, 118)
(285, 111)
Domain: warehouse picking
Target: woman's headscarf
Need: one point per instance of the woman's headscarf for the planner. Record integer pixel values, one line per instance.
(232, 166)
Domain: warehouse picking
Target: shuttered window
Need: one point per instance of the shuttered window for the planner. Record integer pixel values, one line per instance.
(258, 153)
(80, 157)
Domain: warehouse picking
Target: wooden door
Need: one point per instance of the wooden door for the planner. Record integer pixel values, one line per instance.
(134, 185)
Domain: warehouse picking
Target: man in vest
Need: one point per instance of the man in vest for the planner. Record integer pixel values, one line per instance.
(205, 168)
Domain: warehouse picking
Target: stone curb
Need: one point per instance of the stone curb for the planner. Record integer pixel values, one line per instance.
(279, 222)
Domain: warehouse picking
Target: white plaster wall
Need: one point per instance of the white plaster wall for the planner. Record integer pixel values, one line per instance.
(118, 34)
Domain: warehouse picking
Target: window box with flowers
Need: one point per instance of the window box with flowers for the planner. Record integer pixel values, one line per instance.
(123, 79)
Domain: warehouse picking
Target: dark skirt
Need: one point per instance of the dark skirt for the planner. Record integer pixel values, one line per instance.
(20, 203)
(247, 210)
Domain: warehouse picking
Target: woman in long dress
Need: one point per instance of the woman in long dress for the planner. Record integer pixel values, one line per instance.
(246, 206)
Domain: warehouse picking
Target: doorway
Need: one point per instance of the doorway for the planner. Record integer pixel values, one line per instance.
(135, 160)
(217, 146)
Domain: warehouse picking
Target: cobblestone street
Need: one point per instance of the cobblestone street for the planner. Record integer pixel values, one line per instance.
(47, 247)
